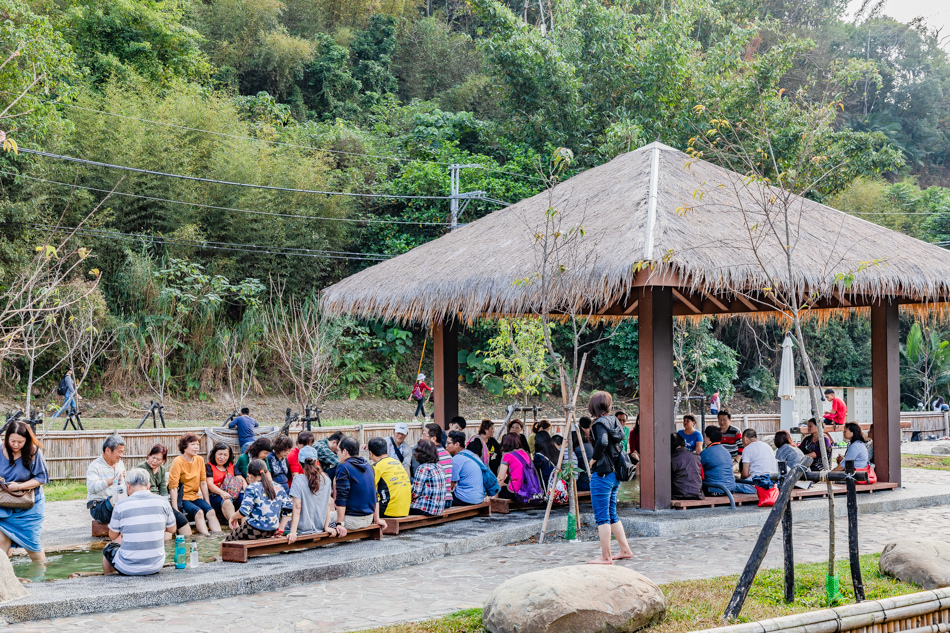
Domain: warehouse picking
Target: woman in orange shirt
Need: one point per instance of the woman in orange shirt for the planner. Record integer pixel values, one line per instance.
(188, 473)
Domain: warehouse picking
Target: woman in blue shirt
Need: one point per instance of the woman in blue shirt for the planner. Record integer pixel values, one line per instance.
(693, 438)
(857, 449)
(23, 470)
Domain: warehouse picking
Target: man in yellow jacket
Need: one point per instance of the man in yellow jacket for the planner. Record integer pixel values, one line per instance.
(393, 487)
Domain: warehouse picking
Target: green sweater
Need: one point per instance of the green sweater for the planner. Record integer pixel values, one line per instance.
(158, 479)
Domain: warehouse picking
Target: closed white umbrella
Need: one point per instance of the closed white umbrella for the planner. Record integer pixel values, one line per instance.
(786, 378)
(786, 384)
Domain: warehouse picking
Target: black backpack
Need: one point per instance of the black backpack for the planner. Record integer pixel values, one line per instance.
(63, 387)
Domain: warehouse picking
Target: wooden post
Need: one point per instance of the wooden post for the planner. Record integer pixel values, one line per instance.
(853, 553)
(445, 350)
(656, 396)
(761, 545)
(788, 548)
(885, 390)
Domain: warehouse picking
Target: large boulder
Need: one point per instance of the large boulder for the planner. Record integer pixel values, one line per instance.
(921, 561)
(575, 599)
(10, 587)
(941, 449)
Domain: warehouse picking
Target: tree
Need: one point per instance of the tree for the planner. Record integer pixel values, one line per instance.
(87, 332)
(788, 149)
(520, 352)
(242, 348)
(702, 362)
(925, 356)
(302, 340)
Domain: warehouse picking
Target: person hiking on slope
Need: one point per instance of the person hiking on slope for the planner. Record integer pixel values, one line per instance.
(419, 391)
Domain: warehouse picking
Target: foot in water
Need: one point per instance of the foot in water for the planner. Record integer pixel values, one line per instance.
(601, 561)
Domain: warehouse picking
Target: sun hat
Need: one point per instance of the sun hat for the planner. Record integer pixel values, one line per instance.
(401, 427)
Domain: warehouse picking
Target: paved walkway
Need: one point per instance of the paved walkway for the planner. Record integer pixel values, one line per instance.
(458, 582)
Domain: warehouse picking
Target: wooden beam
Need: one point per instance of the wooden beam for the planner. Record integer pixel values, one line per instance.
(885, 390)
(611, 303)
(841, 300)
(445, 353)
(746, 303)
(679, 295)
(633, 306)
(656, 397)
(719, 304)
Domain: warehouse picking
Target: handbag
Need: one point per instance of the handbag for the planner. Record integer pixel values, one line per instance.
(869, 469)
(22, 500)
(767, 498)
(231, 485)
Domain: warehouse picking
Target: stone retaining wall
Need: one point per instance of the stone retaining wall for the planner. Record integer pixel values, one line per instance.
(924, 612)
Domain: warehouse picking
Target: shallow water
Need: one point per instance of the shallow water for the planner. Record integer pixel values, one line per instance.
(62, 563)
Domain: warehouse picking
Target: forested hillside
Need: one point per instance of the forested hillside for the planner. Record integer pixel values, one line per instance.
(278, 146)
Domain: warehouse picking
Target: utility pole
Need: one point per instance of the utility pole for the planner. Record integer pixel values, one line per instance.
(455, 195)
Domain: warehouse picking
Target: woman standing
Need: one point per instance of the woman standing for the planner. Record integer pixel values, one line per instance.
(225, 489)
(23, 469)
(260, 513)
(604, 484)
(310, 491)
(486, 446)
(811, 445)
(155, 466)
(188, 473)
(429, 487)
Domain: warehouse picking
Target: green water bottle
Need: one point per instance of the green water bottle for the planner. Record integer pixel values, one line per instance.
(181, 552)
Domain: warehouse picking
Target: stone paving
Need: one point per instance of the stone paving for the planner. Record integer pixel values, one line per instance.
(464, 581)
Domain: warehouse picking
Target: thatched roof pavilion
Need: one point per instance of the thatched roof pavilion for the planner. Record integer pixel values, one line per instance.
(664, 235)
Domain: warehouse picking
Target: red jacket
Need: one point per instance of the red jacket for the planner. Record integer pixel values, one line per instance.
(838, 413)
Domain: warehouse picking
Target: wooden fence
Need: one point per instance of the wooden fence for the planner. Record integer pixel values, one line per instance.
(924, 612)
(68, 453)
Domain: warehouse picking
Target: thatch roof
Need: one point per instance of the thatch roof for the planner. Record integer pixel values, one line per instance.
(689, 220)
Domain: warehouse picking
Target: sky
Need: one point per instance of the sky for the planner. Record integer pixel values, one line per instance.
(936, 13)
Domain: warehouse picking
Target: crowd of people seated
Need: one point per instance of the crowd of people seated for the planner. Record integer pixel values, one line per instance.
(741, 463)
(326, 486)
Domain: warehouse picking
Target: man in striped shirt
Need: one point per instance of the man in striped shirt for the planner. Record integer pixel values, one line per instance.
(137, 530)
(731, 436)
(445, 460)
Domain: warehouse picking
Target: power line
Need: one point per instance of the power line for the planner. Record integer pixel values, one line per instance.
(225, 246)
(283, 143)
(210, 206)
(226, 182)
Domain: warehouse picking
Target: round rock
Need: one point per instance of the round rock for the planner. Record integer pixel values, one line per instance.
(941, 449)
(921, 561)
(575, 599)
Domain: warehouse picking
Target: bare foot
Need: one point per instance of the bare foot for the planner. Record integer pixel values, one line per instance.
(600, 561)
(622, 555)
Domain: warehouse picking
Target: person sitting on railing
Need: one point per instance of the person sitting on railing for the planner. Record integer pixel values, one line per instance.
(356, 504)
(105, 479)
(262, 513)
(811, 445)
(758, 460)
(310, 491)
(137, 529)
(429, 486)
(259, 449)
(393, 487)
(717, 464)
(277, 461)
(839, 410)
(687, 477)
(857, 448)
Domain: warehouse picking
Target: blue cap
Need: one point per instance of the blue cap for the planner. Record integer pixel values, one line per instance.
(308, 452)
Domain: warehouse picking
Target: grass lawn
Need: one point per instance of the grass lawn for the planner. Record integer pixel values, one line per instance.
(930, 462)
(65, 490)
(698, 604)
(122, 424)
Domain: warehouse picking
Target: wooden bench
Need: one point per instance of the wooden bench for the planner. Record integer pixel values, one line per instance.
(816, 490)
(504, 506)
(240, 551)
(413, 521)
(100, 529)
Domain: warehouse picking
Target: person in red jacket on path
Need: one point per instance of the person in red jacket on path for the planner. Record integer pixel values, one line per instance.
(839, 410)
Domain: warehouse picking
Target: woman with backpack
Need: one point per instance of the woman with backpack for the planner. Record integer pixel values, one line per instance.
(419, 391)
(516, 474)
(604, 484)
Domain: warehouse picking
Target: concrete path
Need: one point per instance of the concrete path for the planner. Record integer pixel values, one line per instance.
(464, 581)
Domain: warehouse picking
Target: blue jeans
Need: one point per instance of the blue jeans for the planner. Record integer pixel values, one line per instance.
(191, 508)
(603, 496)
(747, 489)
(69, 402)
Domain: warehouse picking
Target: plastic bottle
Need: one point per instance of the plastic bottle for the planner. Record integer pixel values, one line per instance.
(181, 552)
(194, 554)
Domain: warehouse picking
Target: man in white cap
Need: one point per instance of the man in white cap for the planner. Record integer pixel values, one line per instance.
(397, 448)
(419, 391)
